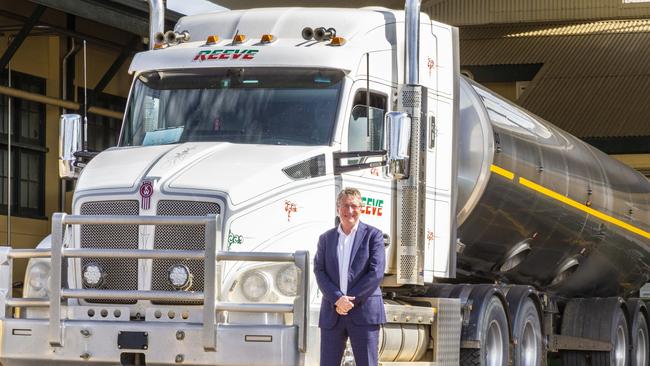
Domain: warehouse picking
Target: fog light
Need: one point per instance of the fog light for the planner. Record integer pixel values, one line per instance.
(93, 275)
(179, 277)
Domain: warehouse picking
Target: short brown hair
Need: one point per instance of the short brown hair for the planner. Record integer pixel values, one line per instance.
(347, 192)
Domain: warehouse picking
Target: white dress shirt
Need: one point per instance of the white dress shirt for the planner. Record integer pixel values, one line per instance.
(344, 251)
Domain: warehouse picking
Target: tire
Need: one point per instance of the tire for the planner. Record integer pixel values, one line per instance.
(527, 331)
(619, 356)
(598, 319)
(640, 342)
(494, 340)
(574, 358)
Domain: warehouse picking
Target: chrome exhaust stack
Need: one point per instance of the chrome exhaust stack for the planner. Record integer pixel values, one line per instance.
(156, 20)
(409, 169)
(412, 29)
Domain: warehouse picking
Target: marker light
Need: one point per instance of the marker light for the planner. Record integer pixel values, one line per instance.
(337, 41)
(212, 39)
(239, 38)
(267, 38)
(93, 275)
(179, 277)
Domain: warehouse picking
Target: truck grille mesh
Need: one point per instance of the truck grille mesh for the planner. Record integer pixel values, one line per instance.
(180, 237)
(121, 274)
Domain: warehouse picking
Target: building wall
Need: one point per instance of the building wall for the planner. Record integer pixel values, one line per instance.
(40, 55)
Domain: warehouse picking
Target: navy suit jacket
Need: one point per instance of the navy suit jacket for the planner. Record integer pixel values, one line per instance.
(367, 263)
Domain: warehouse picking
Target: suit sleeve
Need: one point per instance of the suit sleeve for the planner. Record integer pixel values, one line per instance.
(328, 288)
(371, 280)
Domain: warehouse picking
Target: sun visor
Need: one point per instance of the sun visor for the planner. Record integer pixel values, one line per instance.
(186, 56)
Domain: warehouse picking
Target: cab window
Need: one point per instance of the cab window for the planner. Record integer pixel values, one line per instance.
(366, 128)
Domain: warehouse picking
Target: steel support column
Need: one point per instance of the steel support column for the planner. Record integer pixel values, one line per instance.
(20, 37)
(127, 51)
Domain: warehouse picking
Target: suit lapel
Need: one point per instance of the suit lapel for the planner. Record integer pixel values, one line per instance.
(333, 242)
(358, 238)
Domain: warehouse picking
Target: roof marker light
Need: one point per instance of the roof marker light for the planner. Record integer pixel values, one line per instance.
(239, 38)
(337, 41)
(212, 39)
(267, 38)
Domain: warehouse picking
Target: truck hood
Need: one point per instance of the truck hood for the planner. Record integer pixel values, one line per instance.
(240, 171)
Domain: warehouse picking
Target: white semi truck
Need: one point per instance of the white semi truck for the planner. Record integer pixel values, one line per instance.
(507, 239)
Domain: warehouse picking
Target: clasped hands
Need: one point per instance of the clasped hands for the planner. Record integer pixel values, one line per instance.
(344, 304)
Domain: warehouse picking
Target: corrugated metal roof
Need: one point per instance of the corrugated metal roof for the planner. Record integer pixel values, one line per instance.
(595, 78)
(472, 12)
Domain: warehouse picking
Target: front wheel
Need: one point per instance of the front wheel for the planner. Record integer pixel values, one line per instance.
(494, 338)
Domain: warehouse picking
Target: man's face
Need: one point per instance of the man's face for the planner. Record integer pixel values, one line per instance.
(349, 209)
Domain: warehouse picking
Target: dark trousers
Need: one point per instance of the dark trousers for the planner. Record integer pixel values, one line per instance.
(364, 340)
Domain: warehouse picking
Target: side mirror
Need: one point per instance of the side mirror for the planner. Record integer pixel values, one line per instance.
(70, 142)
(398, 125)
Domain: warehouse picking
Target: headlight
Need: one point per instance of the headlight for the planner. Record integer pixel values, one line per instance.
(37, 280)
(255, 285)
(287, 280)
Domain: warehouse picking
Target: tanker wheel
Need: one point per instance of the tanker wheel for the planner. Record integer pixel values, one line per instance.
(618, 356)
(527, 331)
(494, 338)
(601, 320)
(640, 342)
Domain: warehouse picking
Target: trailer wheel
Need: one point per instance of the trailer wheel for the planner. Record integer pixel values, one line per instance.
(620, 341)
(494, 338)
(527, 331)
(640, 342)
(598, 322)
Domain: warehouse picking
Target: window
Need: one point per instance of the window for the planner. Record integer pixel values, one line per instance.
(364, 134)
(103, 132)
(274, 106)
(28, 149)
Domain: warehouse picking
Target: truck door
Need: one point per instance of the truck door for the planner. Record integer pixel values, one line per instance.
(367, 134)
(439, 73)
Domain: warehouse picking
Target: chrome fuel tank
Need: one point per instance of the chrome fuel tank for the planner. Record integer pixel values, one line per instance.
(538, 206)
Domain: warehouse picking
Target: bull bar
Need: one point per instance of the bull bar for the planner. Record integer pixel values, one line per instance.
(211, 257)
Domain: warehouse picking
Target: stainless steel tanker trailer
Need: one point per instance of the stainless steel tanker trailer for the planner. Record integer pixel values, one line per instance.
(508, 241)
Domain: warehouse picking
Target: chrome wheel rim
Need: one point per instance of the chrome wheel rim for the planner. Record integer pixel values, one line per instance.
(529, 345)
(494, 345)
(620, 347)
(641, 346)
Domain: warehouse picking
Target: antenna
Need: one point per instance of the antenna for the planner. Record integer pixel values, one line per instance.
(9, 198)
(85, 128)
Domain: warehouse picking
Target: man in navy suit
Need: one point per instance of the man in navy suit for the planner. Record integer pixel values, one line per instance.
(349, 267)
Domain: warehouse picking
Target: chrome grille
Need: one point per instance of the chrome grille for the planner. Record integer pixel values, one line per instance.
(180, 237)
(121, 274)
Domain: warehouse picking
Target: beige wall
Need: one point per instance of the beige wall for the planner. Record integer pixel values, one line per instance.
(41, 56)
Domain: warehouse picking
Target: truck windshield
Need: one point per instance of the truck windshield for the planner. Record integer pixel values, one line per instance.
(244, 105)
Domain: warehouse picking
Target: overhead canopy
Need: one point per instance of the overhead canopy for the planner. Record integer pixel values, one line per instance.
(246, 4)
(129, 15)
